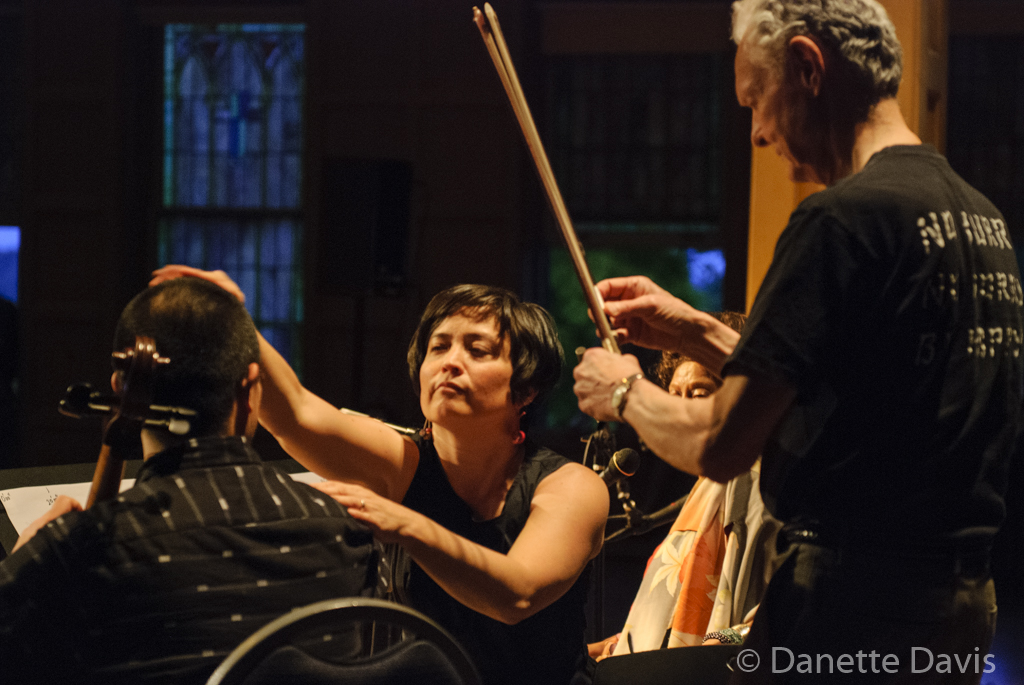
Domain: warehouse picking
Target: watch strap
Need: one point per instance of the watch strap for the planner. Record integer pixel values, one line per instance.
(621, 391)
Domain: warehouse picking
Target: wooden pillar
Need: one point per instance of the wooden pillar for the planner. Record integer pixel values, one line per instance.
(773, 196)
(922, 29)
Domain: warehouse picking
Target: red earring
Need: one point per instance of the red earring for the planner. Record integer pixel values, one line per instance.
(521, 437)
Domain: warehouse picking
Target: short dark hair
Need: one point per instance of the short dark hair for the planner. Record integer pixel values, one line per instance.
(534, 349)
(670, 361)
(209, 338)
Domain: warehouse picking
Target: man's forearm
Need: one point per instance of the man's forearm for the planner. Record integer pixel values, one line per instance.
(712, 347)
(720, 437)
(674, 429)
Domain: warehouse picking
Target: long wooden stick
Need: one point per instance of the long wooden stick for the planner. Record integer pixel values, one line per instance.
(490, 29)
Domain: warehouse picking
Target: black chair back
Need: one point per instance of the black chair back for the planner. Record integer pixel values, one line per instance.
(271, 654)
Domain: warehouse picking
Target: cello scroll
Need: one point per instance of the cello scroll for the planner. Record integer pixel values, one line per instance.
(130, 411)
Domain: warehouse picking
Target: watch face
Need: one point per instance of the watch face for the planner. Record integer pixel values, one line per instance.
(617, 396)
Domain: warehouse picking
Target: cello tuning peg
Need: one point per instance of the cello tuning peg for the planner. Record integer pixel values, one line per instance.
(178, 426)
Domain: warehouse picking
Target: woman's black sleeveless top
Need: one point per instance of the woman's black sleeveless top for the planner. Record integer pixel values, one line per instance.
(545, 649)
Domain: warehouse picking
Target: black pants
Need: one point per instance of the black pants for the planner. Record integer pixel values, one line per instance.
(841, 616)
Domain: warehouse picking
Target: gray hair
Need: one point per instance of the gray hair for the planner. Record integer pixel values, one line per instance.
(859, 31)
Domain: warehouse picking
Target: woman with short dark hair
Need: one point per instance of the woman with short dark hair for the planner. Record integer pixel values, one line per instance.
(499, 529)
(535, 352)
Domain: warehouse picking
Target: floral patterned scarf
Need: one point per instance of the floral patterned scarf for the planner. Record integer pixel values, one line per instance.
(677, 595)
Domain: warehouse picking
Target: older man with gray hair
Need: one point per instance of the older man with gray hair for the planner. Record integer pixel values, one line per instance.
(880, 372)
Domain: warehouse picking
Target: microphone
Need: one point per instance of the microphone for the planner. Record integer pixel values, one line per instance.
(622, 465)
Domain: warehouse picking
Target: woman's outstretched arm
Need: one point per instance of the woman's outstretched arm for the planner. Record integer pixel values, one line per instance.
(564, 531)
(337, 446)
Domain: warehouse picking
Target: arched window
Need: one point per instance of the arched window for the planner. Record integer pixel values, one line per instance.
(232, 181)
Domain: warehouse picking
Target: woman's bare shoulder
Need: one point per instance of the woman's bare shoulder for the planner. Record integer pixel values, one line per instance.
(574, 481)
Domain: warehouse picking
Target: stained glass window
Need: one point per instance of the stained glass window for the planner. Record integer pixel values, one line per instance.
(232, 165)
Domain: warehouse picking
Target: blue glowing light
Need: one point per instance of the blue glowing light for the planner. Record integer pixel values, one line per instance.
(706, 269)
(10, 244)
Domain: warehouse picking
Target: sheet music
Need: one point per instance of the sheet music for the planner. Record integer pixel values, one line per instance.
(25, 505)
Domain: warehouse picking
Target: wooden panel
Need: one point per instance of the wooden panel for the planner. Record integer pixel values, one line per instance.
(11, 119)
(384, 386)
(411, 80)
(773, 197)
(387, 391)
(921, 27)
(224, 12)
(634, 28)
(364, 368)
(934, 82)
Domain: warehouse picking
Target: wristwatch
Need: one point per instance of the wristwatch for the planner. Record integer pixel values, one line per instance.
(620, 392)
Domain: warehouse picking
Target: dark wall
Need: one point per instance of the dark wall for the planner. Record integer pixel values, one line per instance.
(409, 81)
(78, 248)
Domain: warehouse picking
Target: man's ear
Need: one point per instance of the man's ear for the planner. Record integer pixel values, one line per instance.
(245, 413)
(249, 384)
(808, 62)
(116, 382)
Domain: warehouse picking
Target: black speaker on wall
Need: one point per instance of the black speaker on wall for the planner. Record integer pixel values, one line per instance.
(365, 237)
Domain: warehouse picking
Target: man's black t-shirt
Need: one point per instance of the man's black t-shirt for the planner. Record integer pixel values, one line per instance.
(893, 305)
